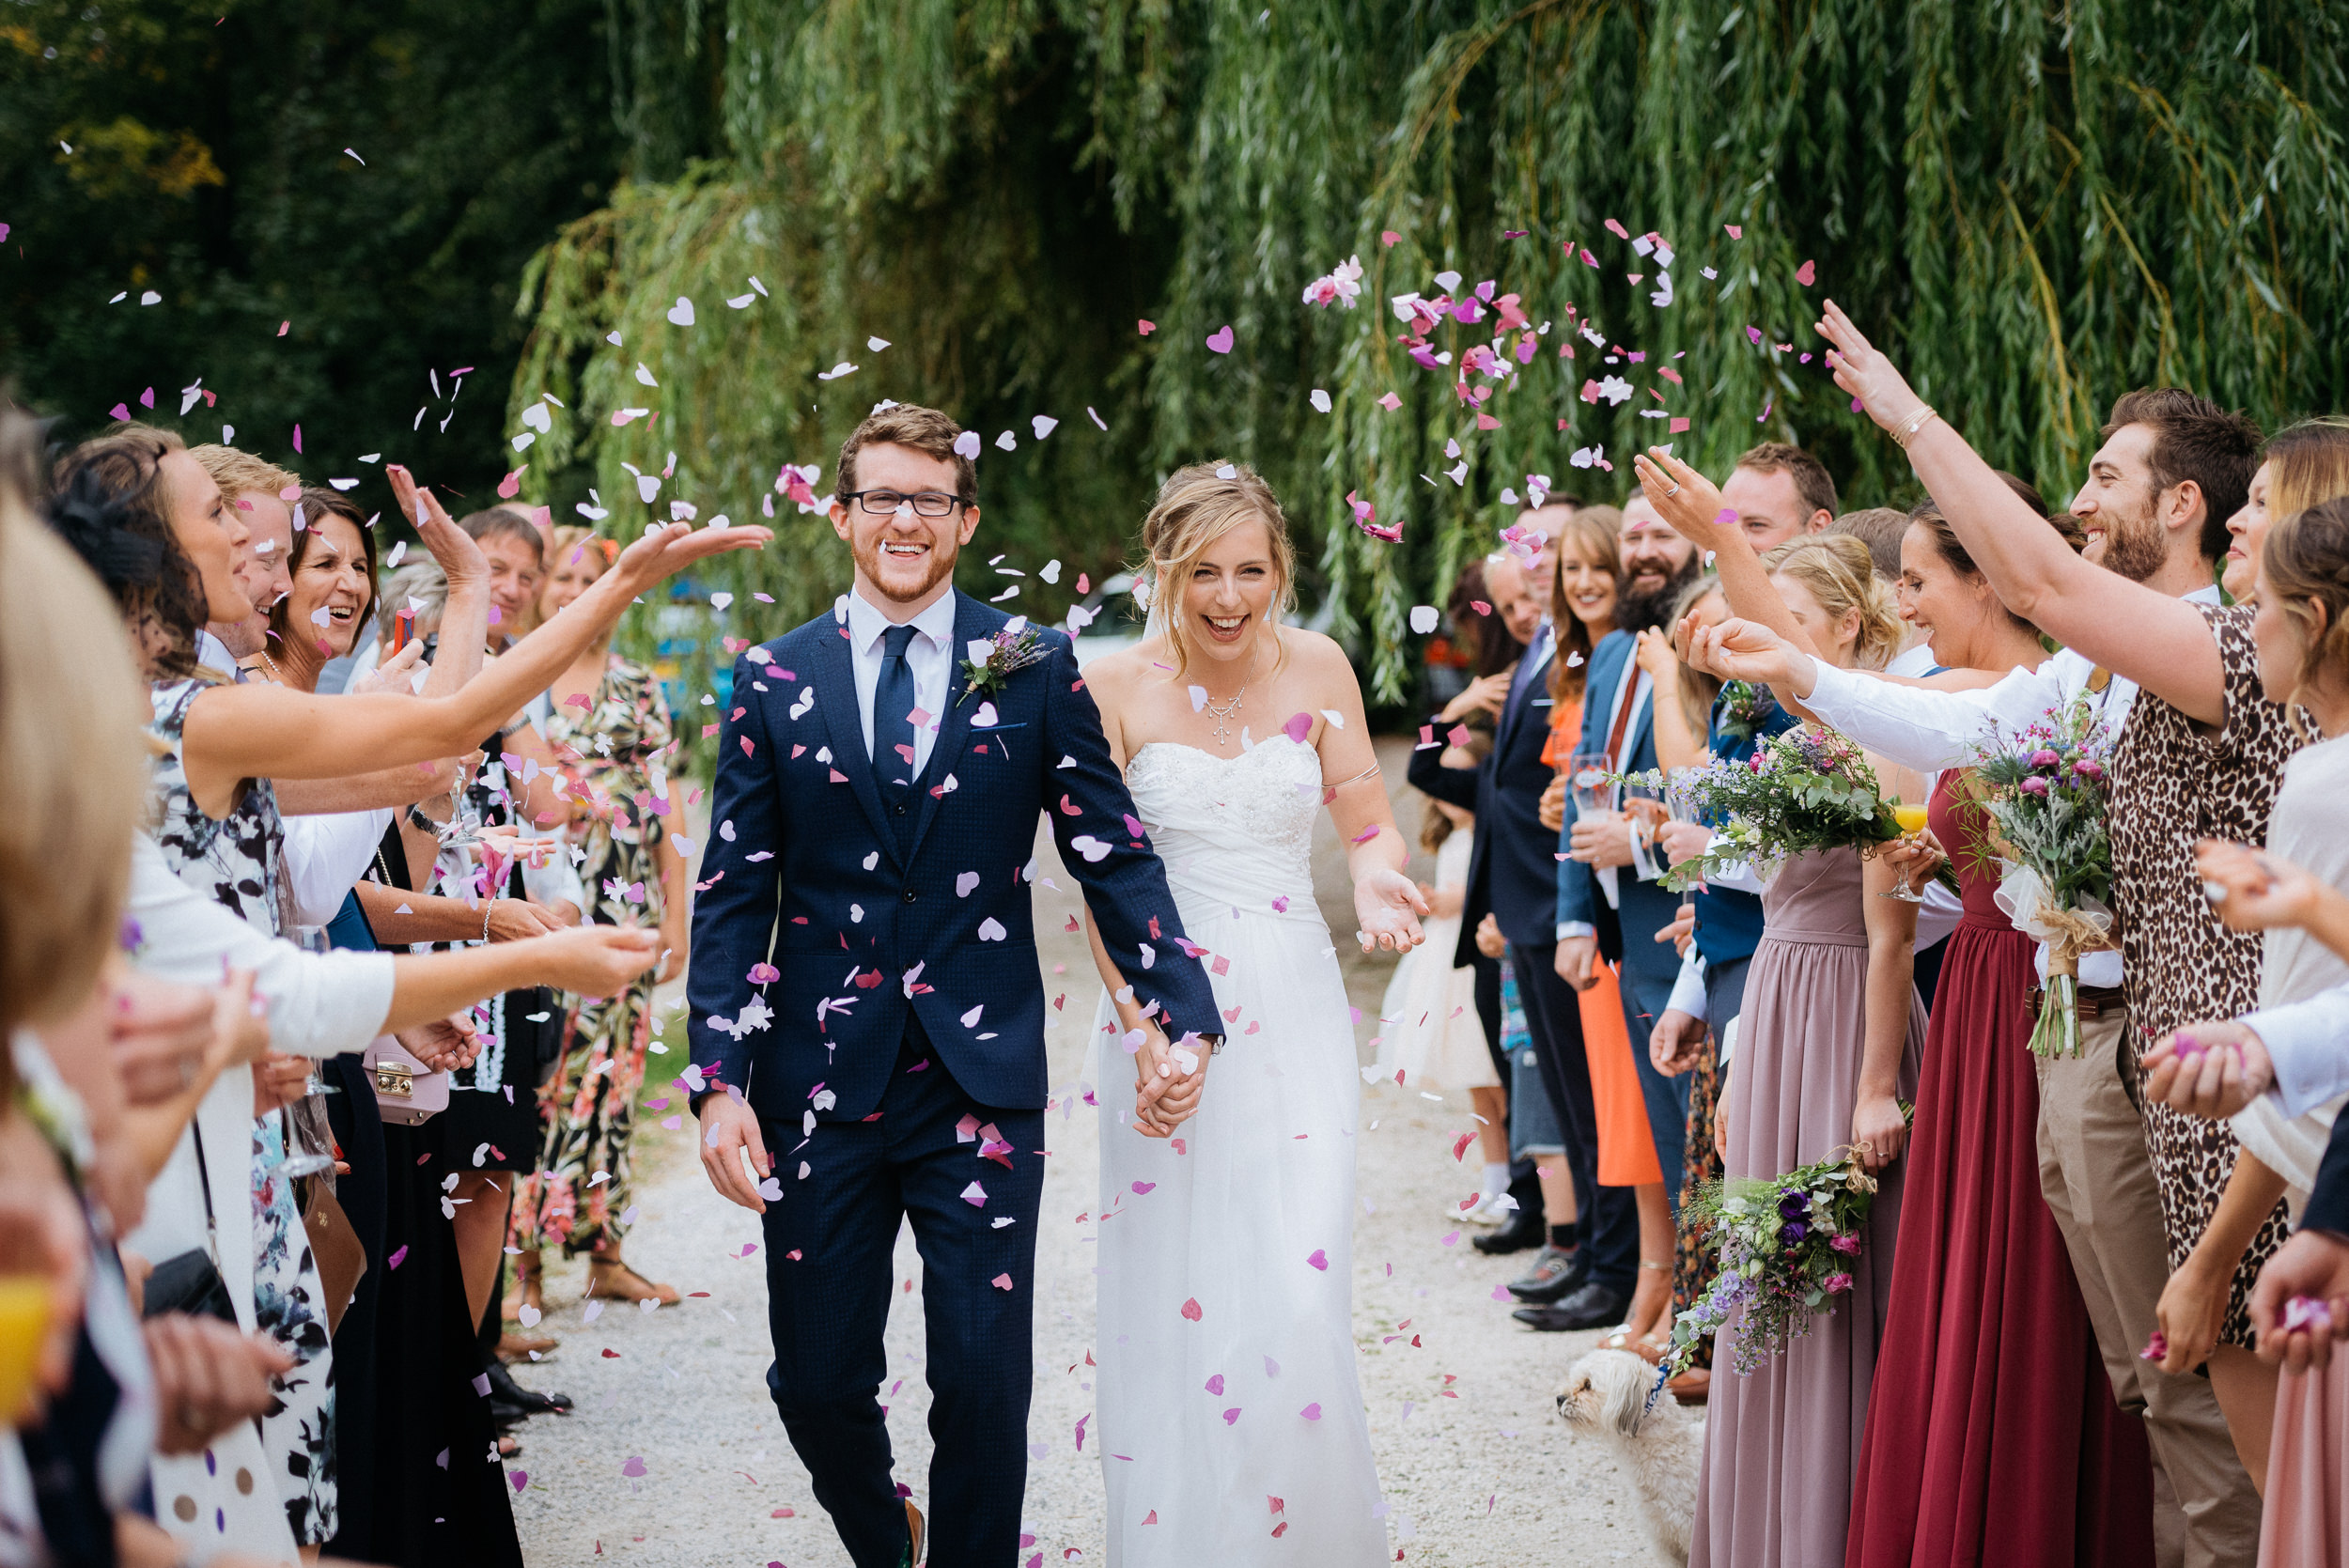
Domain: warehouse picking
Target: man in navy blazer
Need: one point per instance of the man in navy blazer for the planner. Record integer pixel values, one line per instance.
(866, 1008)
(1618, 719)
(1513, 875)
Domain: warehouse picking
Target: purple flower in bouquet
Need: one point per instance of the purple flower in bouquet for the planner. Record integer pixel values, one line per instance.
(2045, 758)
(1836, 1283)
(1847, 1244)
(2034, 786)
(1793, 1205)
(1793, 1232)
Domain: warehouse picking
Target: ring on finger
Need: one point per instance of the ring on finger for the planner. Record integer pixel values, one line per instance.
(1675, 489)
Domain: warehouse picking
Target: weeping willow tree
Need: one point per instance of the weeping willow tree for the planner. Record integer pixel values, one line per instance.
(1057, 207)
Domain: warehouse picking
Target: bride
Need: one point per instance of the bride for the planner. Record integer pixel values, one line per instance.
(1229, 1414)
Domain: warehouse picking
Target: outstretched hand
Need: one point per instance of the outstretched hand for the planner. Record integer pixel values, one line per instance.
(1751, 652)
(1687, 500)
(2255, 889)
(1862, 370)
(1387, 905)
(672, 546)
(459, 554)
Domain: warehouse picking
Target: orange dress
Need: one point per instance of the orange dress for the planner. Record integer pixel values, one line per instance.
(1626, 1149)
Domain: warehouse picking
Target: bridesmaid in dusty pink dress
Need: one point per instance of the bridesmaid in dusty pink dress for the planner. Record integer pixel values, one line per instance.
(1832, 1019)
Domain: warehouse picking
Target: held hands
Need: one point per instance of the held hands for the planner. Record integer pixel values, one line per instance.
(2209, 1069)
(1687, 500)
(1169, 1078)
(730, 1137)
(1388, 905)
(1861, 370)
(2314, 1264)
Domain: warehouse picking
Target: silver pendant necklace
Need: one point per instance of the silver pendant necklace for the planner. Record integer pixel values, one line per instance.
(1223, 732)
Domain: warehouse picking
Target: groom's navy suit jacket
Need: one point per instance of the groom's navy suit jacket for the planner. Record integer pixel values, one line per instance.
(803, 870)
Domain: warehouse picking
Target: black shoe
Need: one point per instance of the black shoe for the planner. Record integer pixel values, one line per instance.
(505, 1395)
(1557, 1271)
(1591, 1307)
(1525, 1228)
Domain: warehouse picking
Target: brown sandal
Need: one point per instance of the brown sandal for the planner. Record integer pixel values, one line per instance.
(615, 1281)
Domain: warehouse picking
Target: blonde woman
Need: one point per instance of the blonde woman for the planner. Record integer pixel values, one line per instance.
(1232, 730)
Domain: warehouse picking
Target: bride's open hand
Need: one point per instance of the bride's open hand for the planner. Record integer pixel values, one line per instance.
(1387, 909)
(1686, 498)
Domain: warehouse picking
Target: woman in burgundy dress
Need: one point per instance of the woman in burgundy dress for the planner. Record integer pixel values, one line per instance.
(1992, 1434)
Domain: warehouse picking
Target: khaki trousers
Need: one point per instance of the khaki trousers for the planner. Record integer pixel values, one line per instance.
(2099, 1178)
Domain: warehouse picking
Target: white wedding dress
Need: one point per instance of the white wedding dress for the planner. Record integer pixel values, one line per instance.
(1231, 1419)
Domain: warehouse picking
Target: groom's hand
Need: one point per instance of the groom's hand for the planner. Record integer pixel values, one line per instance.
(728, 1128)
(1168, 1079)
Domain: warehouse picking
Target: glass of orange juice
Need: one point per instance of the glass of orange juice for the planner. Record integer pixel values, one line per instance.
(1912, 820)
(24, 1305)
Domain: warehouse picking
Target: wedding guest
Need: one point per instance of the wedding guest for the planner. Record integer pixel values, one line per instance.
(516, 550)
(2199, 755)
(1780, 492)
(1880, 528)
(1605, 865)
(1984, 1316)
(1512, 876)
(610, 727)
(262, 495)
(1583, 597)
(2303, 591)
(1828, 1050)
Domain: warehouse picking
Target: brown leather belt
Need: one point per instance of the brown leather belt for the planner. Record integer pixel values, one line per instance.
(2094, 1000)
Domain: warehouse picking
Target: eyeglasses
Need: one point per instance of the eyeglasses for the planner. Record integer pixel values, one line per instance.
(928, 504)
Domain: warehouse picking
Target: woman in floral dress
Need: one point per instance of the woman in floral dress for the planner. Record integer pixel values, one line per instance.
(610, 725)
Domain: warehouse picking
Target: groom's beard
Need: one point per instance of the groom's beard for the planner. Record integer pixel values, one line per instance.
(1636, 612)
(885, 572)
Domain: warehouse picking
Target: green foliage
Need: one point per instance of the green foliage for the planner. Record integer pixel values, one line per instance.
(208, 166)
(2034, 207)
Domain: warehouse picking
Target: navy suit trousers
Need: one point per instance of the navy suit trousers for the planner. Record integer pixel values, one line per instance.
(830, 1279)
(1607, 1218)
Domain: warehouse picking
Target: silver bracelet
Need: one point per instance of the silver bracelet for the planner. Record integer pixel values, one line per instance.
(488, 905)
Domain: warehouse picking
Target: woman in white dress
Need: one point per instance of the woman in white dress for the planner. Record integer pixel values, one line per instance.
(1231, 1420)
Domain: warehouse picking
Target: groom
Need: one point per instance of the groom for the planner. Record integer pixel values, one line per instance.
(865, 997)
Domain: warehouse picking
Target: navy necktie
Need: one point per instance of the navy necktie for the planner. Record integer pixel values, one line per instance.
(893, 730)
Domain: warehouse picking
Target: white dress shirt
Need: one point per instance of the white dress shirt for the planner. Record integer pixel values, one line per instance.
(1933, 730)
(930, 656)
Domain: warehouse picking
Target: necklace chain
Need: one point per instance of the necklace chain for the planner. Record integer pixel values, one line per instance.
(1223, 732)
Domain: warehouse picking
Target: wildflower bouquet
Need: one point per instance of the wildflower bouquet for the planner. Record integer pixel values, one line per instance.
(1804, 789)
(1744, 708)
(1787, 1250)
(2046, 795)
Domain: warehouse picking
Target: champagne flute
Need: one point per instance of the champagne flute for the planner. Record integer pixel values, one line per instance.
(1586, 778)
(1911, 816)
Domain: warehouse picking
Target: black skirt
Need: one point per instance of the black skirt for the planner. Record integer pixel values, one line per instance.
(491, 1123)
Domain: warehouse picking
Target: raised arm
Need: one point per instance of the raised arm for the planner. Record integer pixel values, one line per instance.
(2161, 643)
(1690, 503)
(259, 730)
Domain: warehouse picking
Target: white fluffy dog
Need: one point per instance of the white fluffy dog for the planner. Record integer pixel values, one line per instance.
(1607, 1394)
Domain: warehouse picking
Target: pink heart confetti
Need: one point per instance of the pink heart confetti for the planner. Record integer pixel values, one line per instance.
(520, 1478)
(2307, 1312)
(1310, 1412)
(1215, 1384)
(1320, 1259)
(1806, 273)
(1231, 1416)
(1220, 340)
(1191, 1310)
(1299, 726)
(632, 1467)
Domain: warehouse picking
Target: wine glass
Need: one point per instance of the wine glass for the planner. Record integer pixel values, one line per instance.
(1586, 779)
(1911, 816)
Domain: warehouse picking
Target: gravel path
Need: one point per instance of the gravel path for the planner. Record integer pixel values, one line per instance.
(674, 1456)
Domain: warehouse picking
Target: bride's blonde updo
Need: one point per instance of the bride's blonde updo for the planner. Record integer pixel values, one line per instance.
(1196, 506)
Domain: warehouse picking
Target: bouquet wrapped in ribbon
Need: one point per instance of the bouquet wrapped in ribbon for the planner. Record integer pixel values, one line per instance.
(1804, 789)
(1788, 1247)
(2047, 794)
